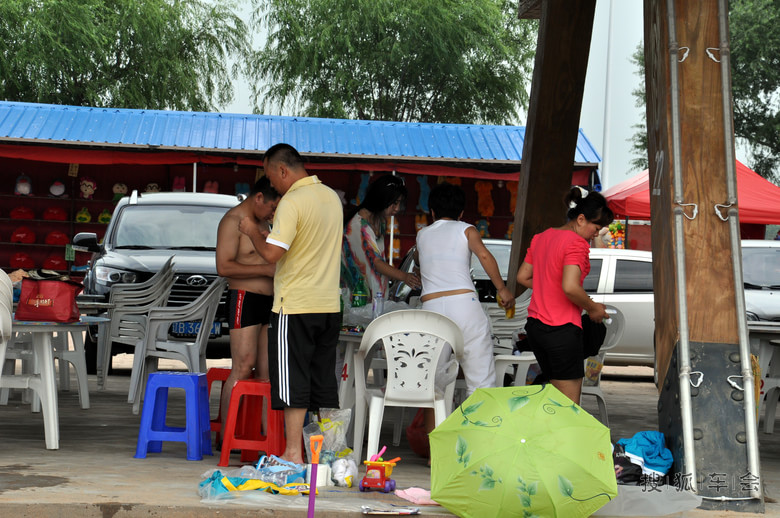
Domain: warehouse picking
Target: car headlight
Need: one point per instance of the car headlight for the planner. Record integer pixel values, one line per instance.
(109, 276)
(751, 317)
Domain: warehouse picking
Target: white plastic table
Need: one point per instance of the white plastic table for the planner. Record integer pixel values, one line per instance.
(44, 382)
(350, 341)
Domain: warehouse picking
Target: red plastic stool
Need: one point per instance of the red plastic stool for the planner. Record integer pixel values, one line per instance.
(221, 374)
(244, 422)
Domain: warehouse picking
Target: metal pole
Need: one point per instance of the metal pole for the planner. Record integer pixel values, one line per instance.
(392, 226)
(683, 351)
(736, 253)
(194, 177)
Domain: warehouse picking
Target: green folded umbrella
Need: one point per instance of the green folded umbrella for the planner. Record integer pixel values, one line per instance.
(521, 451)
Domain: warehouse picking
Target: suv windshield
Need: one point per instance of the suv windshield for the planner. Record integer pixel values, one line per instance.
(171, 227)
(761, 266)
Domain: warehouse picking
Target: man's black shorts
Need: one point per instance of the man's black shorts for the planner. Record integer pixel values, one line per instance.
(302, 360)
(248, 309)
(558, 349)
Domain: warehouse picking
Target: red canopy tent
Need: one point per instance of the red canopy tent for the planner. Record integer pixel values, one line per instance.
(758, 199)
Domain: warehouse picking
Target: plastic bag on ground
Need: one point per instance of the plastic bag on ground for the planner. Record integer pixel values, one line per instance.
(646, 501)
(333, 425)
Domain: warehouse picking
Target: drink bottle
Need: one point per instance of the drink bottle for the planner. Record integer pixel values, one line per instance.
(379, 304)
(510, 312)
(360, 295)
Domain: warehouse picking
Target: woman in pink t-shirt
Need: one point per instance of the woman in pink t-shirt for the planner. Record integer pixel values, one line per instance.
(555, 266)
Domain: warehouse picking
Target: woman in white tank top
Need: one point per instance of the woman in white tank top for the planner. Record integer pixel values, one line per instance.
(444, 254)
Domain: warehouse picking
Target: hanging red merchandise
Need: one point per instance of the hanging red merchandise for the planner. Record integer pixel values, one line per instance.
(55, 214)
(21, 260)
(23, 235)
(22, 213)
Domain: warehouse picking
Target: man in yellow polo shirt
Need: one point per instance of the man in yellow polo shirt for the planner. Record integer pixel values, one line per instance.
(305, 244)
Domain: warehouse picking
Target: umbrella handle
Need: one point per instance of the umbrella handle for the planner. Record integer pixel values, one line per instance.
(315, 443)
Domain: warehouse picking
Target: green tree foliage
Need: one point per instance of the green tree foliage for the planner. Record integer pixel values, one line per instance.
(754, 27)
(461, 61)
(639, 144)
(151, 54)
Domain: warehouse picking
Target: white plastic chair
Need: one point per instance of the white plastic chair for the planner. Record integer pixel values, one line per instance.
(155, 343)
(6, 288)
(66, 356)
(131, 302)
(771, 381)
(5, 332)
(413, 341)
(10, 353)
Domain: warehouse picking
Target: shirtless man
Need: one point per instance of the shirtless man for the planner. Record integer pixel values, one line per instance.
(250, 284)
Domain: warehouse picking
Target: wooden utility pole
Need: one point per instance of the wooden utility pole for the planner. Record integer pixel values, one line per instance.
(553, 118)
(705, 378)
(706, 404)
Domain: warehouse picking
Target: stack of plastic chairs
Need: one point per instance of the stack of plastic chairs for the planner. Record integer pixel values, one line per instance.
(10, 353)
(131, 302)
(6, 315)
(154, 343)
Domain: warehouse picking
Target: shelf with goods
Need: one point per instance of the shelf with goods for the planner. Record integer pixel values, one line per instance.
(87, 193)
(36, 231)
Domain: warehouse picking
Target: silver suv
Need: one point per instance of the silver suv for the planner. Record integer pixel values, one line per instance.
(145, 230)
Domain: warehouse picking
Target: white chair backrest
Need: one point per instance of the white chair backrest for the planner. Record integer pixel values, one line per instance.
(202, 309)
(6, 321)
(147, 291)
(413, 341)
(6, 288)
(615, 328)
(128, 316)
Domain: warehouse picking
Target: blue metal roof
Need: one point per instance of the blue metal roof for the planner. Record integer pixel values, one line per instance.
(130, 130)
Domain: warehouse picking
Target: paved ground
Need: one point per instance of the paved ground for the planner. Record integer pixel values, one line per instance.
(94, 474)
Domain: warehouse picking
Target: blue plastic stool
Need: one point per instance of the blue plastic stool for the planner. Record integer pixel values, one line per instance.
(197, 433)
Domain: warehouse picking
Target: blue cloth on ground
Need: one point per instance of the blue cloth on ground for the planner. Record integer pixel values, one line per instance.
(648, 449)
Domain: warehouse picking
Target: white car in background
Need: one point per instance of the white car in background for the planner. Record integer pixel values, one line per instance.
(624, 279)
(761, 275)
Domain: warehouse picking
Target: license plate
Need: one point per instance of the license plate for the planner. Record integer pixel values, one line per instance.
(182, 329)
